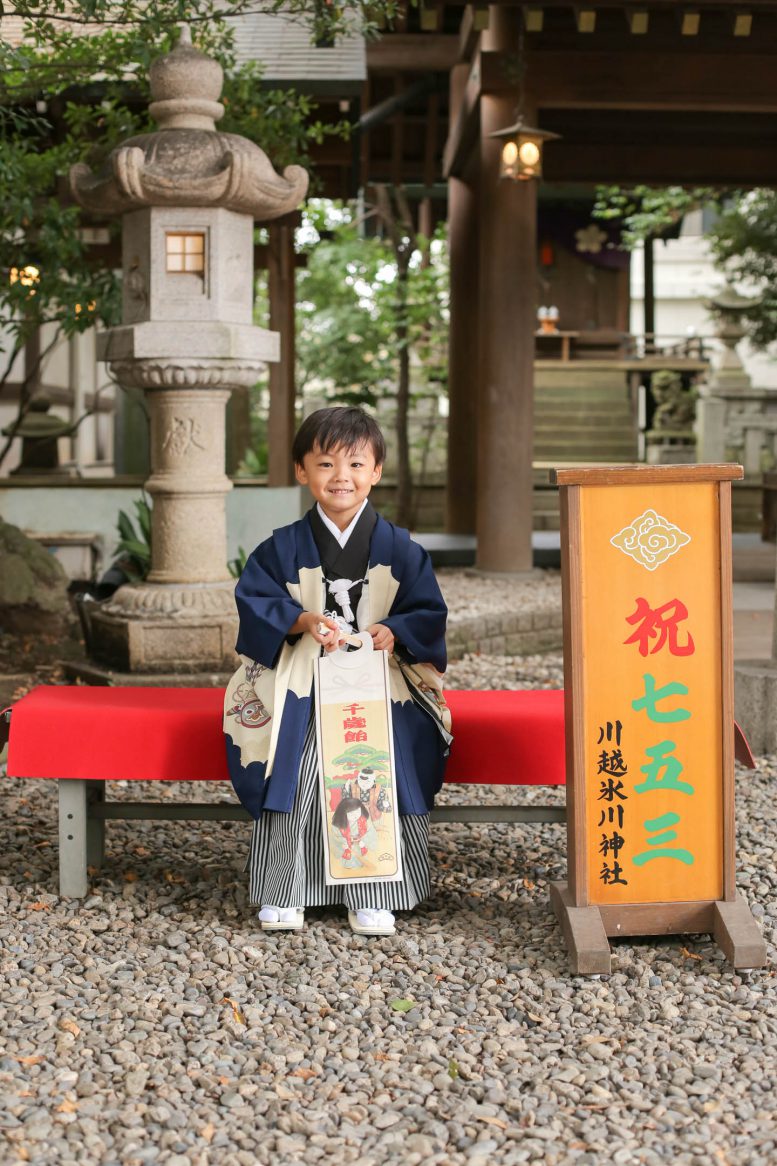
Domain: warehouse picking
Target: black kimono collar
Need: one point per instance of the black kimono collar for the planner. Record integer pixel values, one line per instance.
(352, 560)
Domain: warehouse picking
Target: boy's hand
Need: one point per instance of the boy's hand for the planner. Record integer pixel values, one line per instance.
(323, 629)
(382, 637)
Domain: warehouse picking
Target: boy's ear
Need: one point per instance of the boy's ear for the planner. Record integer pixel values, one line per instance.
(377, 474)
(300, 474)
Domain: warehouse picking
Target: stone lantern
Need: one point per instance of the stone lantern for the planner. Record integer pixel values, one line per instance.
(727, 307)
(40, 433)
(736, 420)
(188, 196)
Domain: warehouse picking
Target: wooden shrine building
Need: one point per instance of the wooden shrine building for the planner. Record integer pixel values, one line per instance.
(661, 92)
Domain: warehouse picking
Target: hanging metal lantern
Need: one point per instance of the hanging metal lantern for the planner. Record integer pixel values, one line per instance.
(522, 150)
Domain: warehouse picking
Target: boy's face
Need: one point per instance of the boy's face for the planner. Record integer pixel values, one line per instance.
(339, 480)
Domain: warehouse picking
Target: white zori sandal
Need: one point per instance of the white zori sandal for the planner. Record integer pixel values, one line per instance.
(282, 918)
(367, 921)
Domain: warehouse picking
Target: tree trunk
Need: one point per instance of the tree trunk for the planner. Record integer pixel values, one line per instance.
(404, 475)
(398, 225)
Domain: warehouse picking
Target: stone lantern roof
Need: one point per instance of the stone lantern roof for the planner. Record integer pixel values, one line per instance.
(187, 161)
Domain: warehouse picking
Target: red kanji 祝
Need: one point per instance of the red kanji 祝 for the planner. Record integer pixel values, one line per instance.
(660, 624)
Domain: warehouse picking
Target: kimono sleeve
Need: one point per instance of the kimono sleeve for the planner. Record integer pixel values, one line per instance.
(264, 606)
(418, 614)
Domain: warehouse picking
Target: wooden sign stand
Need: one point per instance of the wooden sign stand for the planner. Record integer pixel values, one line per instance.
(649, 710)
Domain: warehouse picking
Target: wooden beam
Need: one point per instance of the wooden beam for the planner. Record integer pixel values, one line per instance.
(655, 5)
(711, 82)
(743, 23)
(675, 164)
(473, 22)
(480, 17)
(463, 127)
(413, 53)
(468, 34)
(585, 19)
(534, 18)
(397, 125)
(638, 20)
(690, 22)
(647, 80)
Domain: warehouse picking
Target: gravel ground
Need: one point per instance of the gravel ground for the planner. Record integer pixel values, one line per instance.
(469, 593)
(155, 1023)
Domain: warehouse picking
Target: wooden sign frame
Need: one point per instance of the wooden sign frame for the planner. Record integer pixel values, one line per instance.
(586, 924)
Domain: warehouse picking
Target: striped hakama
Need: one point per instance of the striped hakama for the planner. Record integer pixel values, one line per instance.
(286, 860)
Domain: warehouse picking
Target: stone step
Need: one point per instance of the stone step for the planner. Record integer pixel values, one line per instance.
(578, 448)
(583, 436)
(581, 404)
(583, 426)
(580, 380)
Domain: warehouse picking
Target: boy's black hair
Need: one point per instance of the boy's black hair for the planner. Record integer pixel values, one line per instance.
(344, 806)
(342, 426)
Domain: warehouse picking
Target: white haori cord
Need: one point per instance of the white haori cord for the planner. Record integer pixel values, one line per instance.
(340, 589)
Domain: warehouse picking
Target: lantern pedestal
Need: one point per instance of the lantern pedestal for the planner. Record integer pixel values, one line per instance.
(182, 618)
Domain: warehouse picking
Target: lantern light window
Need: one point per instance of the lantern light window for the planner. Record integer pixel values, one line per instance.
(185, 252)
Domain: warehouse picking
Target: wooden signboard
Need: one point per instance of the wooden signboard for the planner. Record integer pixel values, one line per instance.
(648, 677)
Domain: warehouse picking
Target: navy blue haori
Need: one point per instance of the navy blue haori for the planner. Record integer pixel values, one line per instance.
(268, 701)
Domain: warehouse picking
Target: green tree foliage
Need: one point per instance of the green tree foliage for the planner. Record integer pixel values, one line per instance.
(348, 310)
(75, 87)
(649, 211)
(743, 241)
(372, 313)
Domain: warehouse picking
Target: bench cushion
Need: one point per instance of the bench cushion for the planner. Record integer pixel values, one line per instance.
(507, 738)
(174, 734)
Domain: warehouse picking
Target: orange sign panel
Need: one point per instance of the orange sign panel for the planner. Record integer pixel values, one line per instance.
(651, 683)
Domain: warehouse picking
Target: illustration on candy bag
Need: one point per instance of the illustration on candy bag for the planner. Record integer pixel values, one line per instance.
(370, 793)
(352, 819)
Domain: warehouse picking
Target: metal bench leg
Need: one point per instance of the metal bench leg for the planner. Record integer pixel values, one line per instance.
(95, 827)
(72, 838)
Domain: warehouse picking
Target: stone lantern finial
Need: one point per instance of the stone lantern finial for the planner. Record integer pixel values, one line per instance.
(185, 87)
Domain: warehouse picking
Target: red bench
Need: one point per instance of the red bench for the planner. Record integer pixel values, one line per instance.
(83, 737)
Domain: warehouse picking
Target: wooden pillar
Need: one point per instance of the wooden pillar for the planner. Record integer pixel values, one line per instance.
(282, 295)
(649, 290)
(463, 370)
(508, 266)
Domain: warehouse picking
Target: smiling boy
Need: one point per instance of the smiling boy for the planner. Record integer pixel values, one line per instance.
(341, 568)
